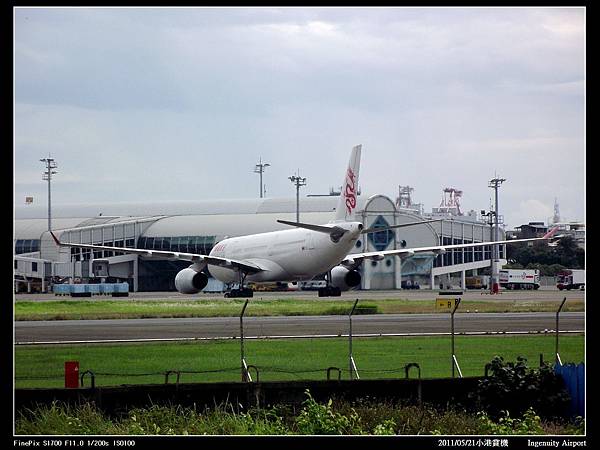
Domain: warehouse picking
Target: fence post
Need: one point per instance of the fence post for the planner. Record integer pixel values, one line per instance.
(353, 370)
(556, 354)
(169, 372)
(329, 369)
(92, 377)
(454, 361)
(244, 367)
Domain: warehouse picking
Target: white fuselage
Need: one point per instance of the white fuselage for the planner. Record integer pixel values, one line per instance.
(288, 255)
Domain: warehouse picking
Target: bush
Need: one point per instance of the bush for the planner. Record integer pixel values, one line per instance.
(529, 424)
(317, 419)
(514, 388)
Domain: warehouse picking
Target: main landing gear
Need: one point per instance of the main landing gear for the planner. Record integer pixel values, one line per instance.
(242, 292)
(329, 290)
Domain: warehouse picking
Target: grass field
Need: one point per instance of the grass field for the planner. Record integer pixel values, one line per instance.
(286, 359)
(338, 417)
(132, 309)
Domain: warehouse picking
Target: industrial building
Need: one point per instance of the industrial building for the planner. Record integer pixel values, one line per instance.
(576, 230)
(197, 226)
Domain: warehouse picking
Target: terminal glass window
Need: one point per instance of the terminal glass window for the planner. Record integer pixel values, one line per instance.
(27, 246)
(478, 253)
(468, 252)
(487, 254)
(447, 256)
(183, 244)
(458, 258)
(381, 239)
(175, 244)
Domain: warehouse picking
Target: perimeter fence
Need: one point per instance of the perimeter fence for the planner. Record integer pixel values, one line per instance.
(342, 357)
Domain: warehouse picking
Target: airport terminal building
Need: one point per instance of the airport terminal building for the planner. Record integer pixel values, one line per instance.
(196, 227)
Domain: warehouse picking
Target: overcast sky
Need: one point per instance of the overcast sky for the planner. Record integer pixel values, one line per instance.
(137, 104)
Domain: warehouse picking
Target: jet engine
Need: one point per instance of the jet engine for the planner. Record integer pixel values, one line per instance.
(344, 279)
(188, 281)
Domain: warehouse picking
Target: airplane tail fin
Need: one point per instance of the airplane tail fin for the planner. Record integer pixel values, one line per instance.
(550, 233)
(348, 197)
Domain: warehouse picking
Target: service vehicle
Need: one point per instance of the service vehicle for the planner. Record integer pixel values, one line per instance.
(519, 278)
(570, 279)
(477, 282)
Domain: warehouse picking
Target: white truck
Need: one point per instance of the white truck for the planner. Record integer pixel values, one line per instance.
(519, 278)
(570, 279)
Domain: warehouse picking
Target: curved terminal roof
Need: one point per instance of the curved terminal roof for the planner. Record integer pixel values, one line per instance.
(219, 217)
(228, 225)
(33, 228)
(225, 206)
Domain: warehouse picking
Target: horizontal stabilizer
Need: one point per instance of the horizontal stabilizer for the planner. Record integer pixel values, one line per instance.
(334, 232)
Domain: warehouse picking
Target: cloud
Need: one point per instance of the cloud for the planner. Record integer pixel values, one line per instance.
(180, 103)
(533, 210)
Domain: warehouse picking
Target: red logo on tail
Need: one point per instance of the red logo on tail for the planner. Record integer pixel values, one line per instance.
(350, 191)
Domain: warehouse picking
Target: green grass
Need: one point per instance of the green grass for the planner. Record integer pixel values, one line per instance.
(343, 418)
(285, 359)
(133, 309)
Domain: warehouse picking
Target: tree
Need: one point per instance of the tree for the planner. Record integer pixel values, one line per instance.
(566, 250)
(549, 260)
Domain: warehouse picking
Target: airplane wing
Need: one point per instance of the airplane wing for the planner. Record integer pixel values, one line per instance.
(354, 259)
(244, 266)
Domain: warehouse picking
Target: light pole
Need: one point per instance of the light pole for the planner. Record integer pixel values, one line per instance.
(298, 181)
(495, 184)
(490, 222)
(260, 168)
(47, 176)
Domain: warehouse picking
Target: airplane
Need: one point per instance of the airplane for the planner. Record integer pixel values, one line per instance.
(296, 254)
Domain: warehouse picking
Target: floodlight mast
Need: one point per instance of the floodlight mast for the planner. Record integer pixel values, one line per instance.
(495, 184)
(490, 221)
(298, 181)
(260, 168)
(47, 176)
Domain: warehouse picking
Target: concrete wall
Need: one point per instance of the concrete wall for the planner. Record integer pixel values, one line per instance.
(441, 392)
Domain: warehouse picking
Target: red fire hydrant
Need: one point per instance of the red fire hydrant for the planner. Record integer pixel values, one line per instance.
(71, 374)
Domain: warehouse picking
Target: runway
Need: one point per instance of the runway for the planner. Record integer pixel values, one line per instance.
(545, 293)
(229, 327)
